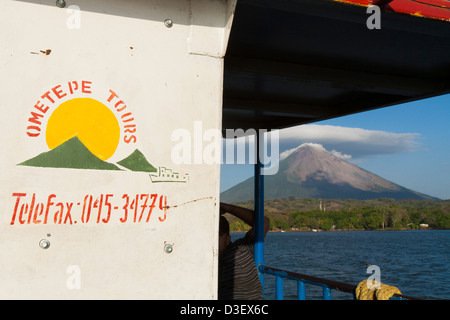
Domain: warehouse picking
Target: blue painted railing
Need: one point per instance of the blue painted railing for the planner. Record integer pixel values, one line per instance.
(302, 279)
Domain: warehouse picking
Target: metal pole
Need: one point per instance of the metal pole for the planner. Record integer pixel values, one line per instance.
(326, 293)
(279, 288)
(301, 290)
(259, 207)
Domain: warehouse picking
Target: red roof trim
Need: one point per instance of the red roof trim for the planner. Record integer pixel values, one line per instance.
(435, 9)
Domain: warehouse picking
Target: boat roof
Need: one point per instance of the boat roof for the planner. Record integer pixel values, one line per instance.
(301, 61)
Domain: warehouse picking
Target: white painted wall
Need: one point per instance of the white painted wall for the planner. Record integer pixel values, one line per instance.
(169, 79)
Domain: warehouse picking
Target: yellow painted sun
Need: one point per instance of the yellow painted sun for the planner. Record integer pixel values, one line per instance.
(91, 121)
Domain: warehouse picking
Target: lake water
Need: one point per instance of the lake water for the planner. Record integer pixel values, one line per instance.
(415, 261)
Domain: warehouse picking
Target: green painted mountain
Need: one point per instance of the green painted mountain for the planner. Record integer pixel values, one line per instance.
(70, 154)
(313, 172)
(137, 162)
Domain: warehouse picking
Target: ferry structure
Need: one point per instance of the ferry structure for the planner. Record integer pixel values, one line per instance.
(86, 83)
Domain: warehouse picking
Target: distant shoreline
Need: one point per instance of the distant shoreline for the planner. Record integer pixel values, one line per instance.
(294, 214)
(340, 230)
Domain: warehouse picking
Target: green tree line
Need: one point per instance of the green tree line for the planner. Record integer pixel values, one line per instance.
(380, 214)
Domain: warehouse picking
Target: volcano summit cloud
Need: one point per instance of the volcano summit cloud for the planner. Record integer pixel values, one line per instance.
(351, 142)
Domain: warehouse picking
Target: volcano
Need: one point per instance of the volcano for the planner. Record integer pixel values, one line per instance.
(70, 154)
(137, 162)
(313, 172)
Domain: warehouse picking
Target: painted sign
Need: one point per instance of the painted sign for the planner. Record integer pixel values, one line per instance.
(84, 133)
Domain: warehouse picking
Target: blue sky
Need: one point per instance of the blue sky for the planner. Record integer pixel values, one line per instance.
(408, 144)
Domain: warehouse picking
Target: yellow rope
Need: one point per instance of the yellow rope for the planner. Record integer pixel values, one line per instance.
(373, 290)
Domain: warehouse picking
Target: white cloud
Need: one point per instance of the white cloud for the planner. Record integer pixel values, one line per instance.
(287, 153)
(351, 142)
(338, 154)
(341, 155)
